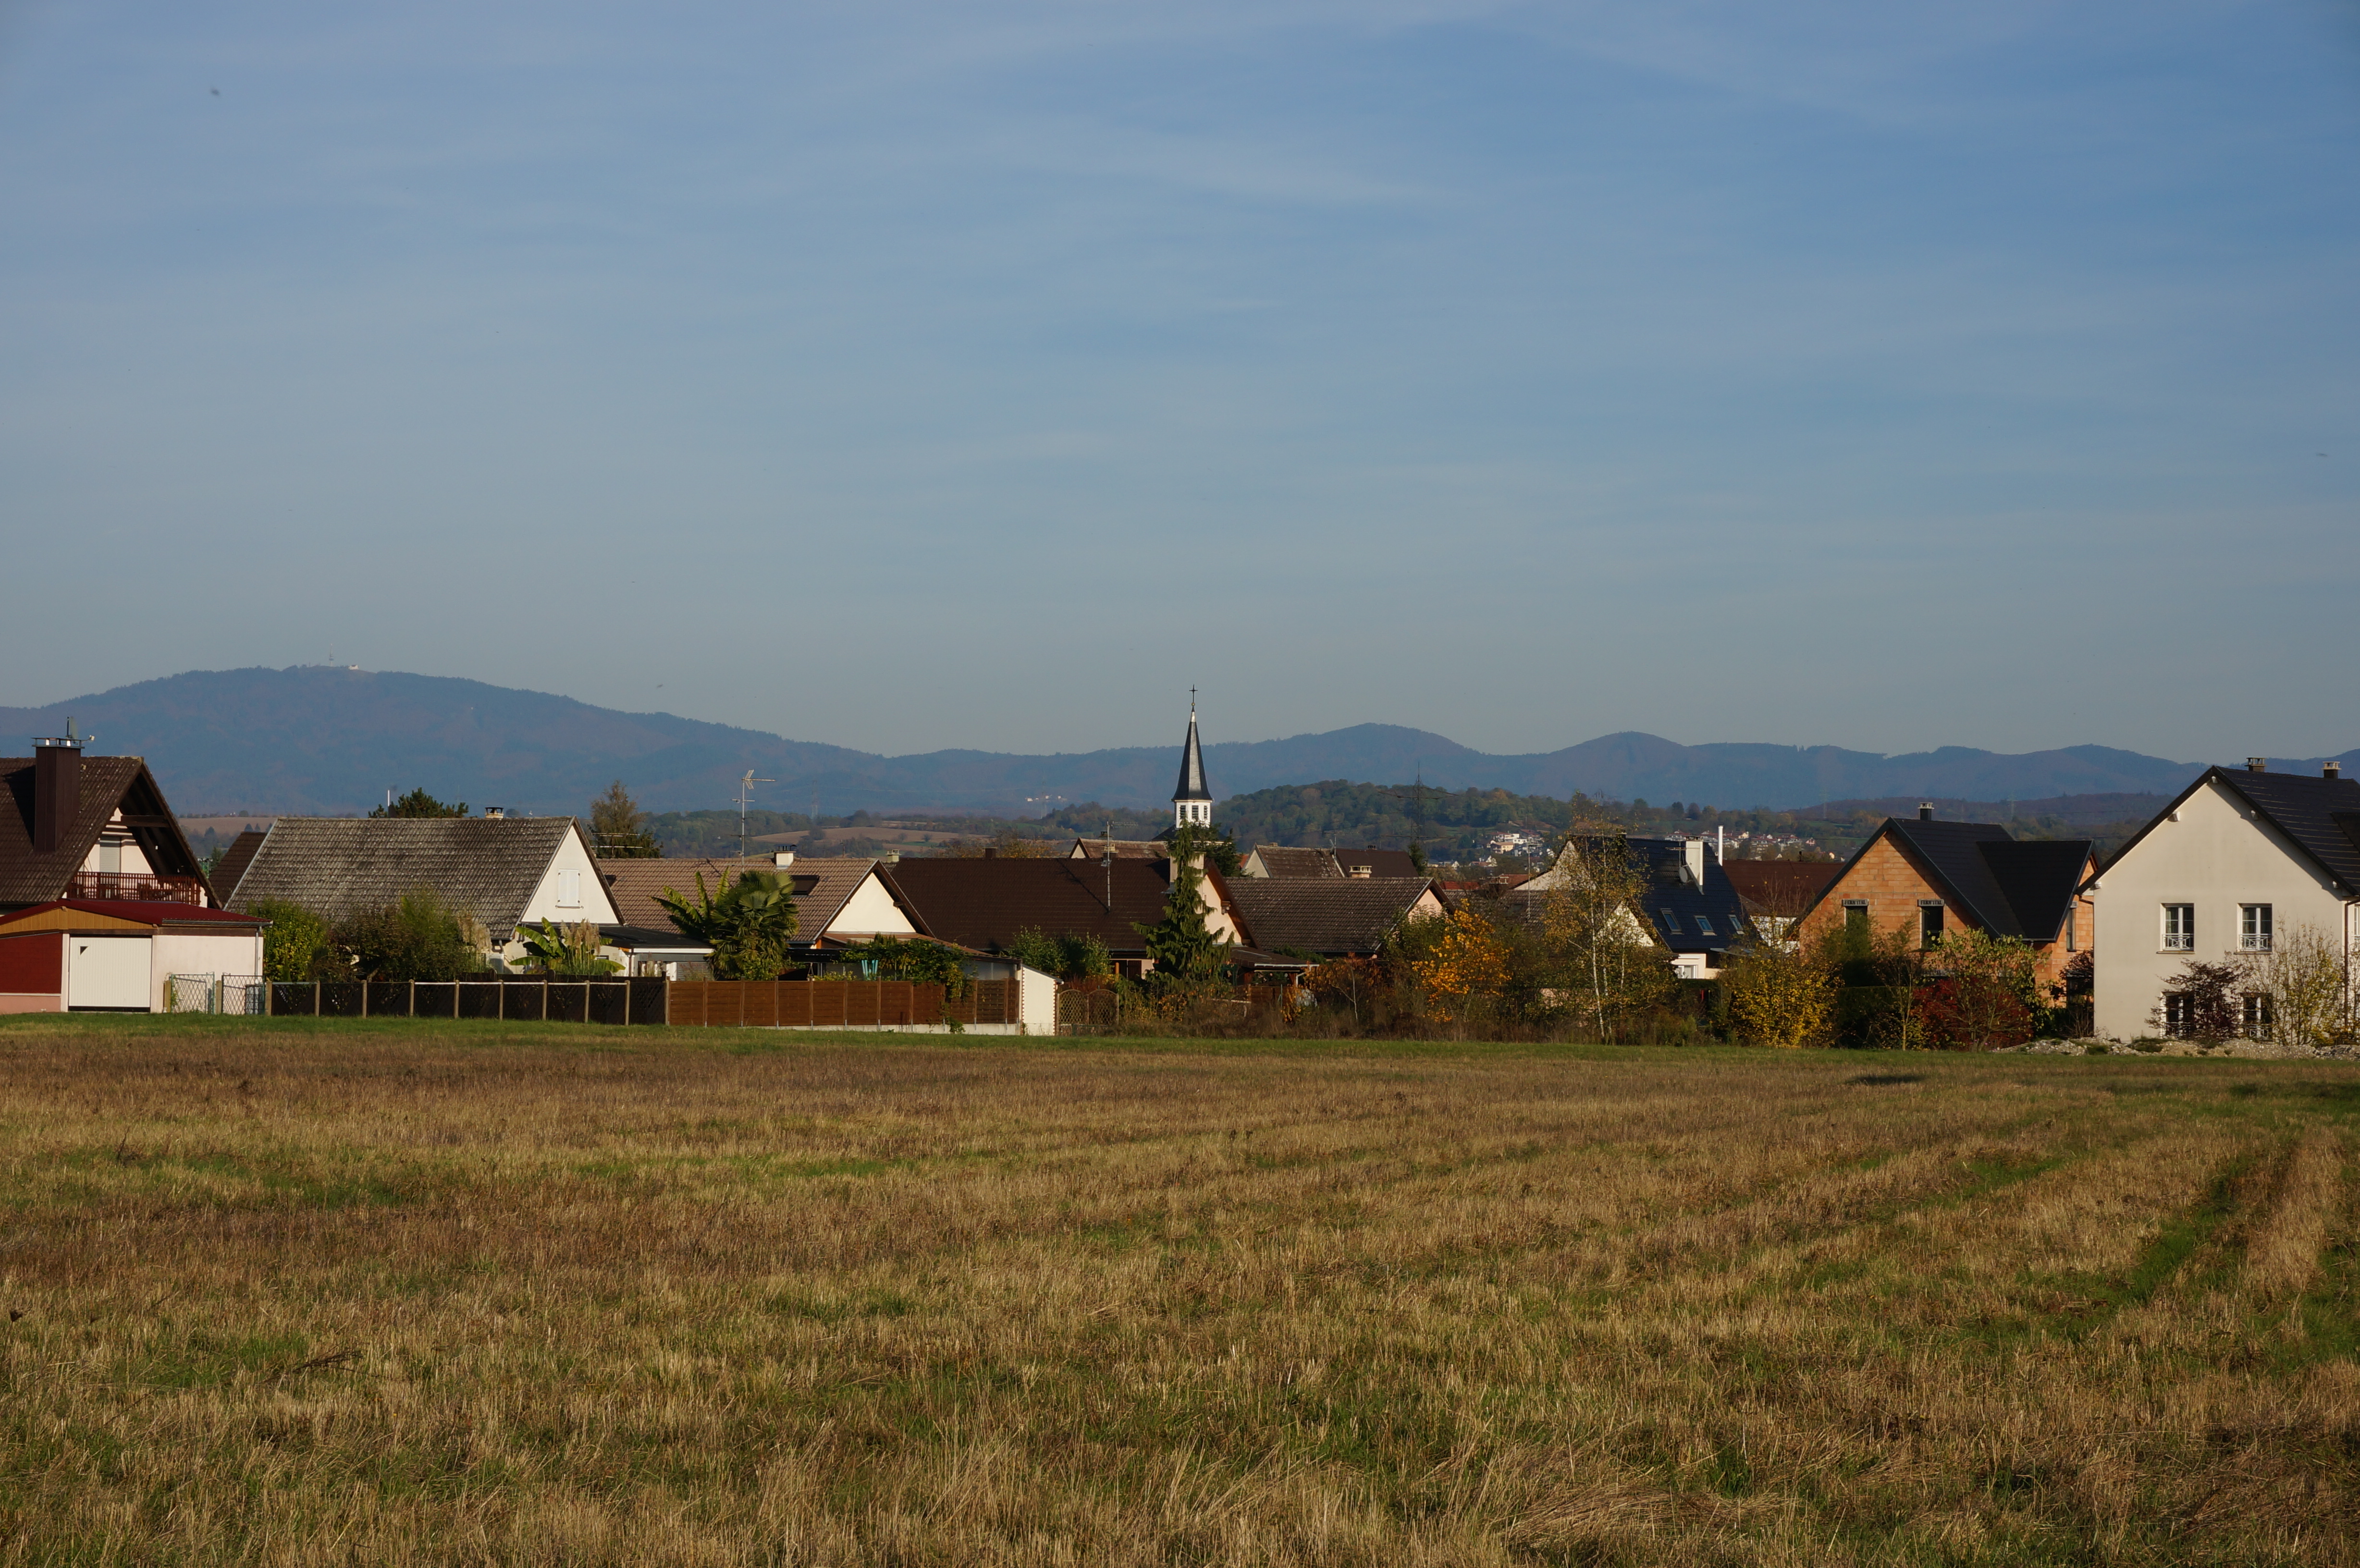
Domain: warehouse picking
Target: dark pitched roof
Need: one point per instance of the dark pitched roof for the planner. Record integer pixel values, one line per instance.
(234, 862)
(983, 904)
(1324, 915)
(339, 867)
(822, 887)
(1284, 860)
(1780, 886)
(2321, 815)
(1676, 910)
(2007, 886)
(1124, 849)
(108, 784)
(1192, 768)
(1380, 862)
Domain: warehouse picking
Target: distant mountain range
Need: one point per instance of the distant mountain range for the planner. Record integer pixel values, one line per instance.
(322, 739)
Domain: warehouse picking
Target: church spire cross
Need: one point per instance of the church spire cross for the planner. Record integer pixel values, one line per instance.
(1192, 801)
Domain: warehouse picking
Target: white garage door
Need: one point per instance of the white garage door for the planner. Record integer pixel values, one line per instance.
(106, 971)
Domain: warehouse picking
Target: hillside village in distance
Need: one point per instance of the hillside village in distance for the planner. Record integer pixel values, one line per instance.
(1917, 924)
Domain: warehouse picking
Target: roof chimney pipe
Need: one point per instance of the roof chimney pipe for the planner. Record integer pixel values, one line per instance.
(2258, 764)
(1925, 810)
(2331, 769)
(56, 789)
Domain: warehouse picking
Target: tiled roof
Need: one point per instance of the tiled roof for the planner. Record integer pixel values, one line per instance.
(821, 886)
(339, 867)
(1124, 849)
(1284, 860)
(234, 862)
(107, 783)
(1780, 886)
(61, 914)
(1323, 915)
(983, 904)
(1380, 862)
(2007, 887)
(1677, 911)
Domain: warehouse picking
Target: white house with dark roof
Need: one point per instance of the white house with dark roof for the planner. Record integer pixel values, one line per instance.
(506, 872)
(2242, 857)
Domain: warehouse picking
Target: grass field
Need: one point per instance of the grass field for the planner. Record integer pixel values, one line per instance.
(387, 1292)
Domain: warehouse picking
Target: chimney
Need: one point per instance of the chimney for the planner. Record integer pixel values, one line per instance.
(892, 858)
(1925, 810)
(2258, 764)
(991, 852)
(783, 859)
(493, 813)
(2330, 770)
(1692, 860)
(1362, 871)
(57, 789)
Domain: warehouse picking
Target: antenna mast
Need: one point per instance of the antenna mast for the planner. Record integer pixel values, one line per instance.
(745, 792)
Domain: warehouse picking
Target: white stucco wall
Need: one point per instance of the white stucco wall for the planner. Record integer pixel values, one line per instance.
(593, 905)
(870, 911)
(2216, 858)
(191, 952)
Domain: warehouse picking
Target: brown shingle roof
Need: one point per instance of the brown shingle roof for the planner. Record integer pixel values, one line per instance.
(822, 887)
(1124, 849)
(1380, 862)
(1324, 915)
(339, 867)
(1780, 886)
(984, 903)
(234, 862)
(1284, 860)
(107, 783)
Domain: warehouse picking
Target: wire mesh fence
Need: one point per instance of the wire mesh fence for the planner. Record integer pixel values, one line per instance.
(241, 994)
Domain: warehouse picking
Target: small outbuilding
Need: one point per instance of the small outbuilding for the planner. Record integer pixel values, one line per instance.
(125, 955)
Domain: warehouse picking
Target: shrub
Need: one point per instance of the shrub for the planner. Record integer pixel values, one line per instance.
(420, 938)
(1779, 998)
(297, 944)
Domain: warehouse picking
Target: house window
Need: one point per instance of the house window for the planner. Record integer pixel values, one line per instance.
(1855, 914)
(1704, 926)
(2178, 1014)
(569, 889)
(2255, 1024)
(1930, 925)
(2253, 928)
(110, 853)
(1671, 922)
(2179, 928)
(2072, 926)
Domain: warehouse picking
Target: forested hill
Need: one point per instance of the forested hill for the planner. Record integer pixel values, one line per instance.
(324, 739)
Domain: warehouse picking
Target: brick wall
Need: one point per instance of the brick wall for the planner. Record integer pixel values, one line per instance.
(1890, 884)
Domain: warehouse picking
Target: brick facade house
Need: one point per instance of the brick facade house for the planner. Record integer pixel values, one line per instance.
(1929, 878)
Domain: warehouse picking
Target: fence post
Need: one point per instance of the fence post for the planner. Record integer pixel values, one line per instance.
(317, 996)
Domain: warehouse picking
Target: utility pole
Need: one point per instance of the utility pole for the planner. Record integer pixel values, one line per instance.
(745, 792)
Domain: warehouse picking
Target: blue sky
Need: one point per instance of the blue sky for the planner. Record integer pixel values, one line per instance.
(912, 376)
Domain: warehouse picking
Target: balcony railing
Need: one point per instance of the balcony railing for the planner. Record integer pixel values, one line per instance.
(137, 885)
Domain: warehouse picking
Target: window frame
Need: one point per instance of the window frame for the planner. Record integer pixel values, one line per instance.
(2179, 935)
(1932, 923)
(2254, 935)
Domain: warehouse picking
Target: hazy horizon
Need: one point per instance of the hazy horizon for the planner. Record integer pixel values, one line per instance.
(916, 375)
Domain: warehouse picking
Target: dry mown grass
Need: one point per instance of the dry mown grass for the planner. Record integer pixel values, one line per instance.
(391, 1293)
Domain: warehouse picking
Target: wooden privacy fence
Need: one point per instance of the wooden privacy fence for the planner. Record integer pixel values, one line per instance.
(554, 1001)
(808, 1004)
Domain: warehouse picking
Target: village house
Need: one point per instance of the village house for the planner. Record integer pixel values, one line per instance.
(1929, 878)
(2240, 859)
(1327, 917)
(506, 872)
(101, 901)
(837, 902)
(1685, 901)
(91, 827)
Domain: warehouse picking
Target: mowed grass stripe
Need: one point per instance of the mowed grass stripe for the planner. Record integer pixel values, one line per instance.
(884, 1302)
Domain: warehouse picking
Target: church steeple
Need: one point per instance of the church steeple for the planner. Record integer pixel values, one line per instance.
(1192, 803)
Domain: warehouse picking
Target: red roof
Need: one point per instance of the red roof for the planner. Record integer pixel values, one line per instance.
(146, 912)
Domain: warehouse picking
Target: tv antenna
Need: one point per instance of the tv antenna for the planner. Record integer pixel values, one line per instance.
(745, 793)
